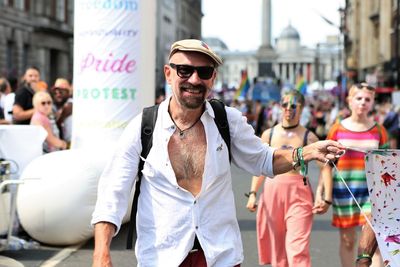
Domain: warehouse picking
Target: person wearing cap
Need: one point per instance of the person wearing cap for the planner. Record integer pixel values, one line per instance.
(186, 211)
(61, 92)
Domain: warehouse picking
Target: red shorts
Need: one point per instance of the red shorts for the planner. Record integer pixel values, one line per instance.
(196, 259)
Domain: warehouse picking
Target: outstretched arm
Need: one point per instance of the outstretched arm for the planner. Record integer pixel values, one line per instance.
(321, 151)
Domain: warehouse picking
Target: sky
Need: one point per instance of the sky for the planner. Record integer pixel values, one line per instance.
(238, 22)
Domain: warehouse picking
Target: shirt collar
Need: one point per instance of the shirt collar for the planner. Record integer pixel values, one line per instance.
(166, 119)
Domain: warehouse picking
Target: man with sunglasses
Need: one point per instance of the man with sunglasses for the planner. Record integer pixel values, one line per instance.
(61, 93)
(186, 211)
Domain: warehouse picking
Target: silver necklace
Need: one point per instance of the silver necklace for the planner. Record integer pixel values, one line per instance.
(182, 132)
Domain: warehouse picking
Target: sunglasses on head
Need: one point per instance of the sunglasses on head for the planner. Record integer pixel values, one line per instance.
(366, 86)
(286, 105)
(185, 71)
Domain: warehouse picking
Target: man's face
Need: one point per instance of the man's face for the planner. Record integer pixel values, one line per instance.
(60, 93)
(190, 84)
(31, 76)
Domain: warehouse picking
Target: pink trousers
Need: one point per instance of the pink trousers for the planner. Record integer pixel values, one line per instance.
(284, 222)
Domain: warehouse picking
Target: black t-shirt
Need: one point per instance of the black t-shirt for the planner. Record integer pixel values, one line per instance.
(23, 98)
(1, 114)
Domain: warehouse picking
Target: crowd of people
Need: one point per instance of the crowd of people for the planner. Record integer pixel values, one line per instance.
(320, 111)
(187, 176)
(32, 102)
(285, 208)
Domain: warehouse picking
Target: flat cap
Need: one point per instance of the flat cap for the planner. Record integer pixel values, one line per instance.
(195, 45)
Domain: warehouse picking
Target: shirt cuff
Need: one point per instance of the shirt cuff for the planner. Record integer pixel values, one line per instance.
(270, 161)
(108, 219)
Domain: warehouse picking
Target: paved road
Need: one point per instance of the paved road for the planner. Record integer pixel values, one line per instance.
(324, 243)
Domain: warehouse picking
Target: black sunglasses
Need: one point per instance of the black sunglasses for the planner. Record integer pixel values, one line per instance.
(45, 103)
(365, 85)
(185, 71)
(286, 104)
(61, 90)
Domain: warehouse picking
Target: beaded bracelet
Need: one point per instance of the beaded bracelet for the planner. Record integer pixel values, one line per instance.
(304, 167)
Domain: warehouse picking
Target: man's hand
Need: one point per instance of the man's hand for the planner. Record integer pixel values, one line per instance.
(323, 151)
(102, 259)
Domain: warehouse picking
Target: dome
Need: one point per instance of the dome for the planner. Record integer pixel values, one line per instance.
(290, 33)
(215, 43)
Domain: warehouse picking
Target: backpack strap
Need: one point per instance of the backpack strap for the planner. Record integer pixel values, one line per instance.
(149, 118)
(305, 137)
(271, 132)
(221, 120)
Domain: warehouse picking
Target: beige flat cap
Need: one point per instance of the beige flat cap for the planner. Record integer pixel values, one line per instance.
(195, 46)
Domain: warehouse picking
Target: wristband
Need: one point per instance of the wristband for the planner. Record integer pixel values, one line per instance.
(328, 202)
(364, 256)
(251, 193)
(303, 166)
(295, 158)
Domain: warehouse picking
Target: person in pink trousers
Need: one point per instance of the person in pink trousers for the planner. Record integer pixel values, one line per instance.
(285, 209)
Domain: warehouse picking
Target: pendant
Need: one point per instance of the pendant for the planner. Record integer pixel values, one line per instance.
(181, 134)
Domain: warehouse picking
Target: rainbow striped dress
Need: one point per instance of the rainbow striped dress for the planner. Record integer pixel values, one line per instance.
(351, 168)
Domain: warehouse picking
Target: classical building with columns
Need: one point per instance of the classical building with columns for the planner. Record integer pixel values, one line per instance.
(313, 64)
(284, 61)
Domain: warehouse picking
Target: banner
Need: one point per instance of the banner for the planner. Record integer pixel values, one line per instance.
(383, 178)
(114, 67)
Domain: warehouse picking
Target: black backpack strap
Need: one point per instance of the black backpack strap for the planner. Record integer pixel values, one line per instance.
(149, 118)
(305, 137)
(221, 120)
(271, 132)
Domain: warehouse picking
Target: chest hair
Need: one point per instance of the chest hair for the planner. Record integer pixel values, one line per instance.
(187, 156)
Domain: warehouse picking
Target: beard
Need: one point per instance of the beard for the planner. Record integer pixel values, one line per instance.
(192, 96)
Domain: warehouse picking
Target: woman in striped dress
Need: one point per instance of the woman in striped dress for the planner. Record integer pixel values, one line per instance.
(361, 132)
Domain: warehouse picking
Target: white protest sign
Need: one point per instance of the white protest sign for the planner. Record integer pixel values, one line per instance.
(114, 67)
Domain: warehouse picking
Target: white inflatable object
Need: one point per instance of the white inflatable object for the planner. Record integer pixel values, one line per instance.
(57, 198)
(5, 199)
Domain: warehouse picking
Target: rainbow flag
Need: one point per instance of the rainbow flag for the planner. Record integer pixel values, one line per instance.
(301, 84)
(244, 85)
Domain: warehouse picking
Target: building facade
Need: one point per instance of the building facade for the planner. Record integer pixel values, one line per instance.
(176, 19)
(36, 33)
(371, 33)
(40, 33)
(288, 58)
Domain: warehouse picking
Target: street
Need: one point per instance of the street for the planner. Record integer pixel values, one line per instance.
(324, 242)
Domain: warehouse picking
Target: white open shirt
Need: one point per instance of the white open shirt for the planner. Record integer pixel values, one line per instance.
(169, 216)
